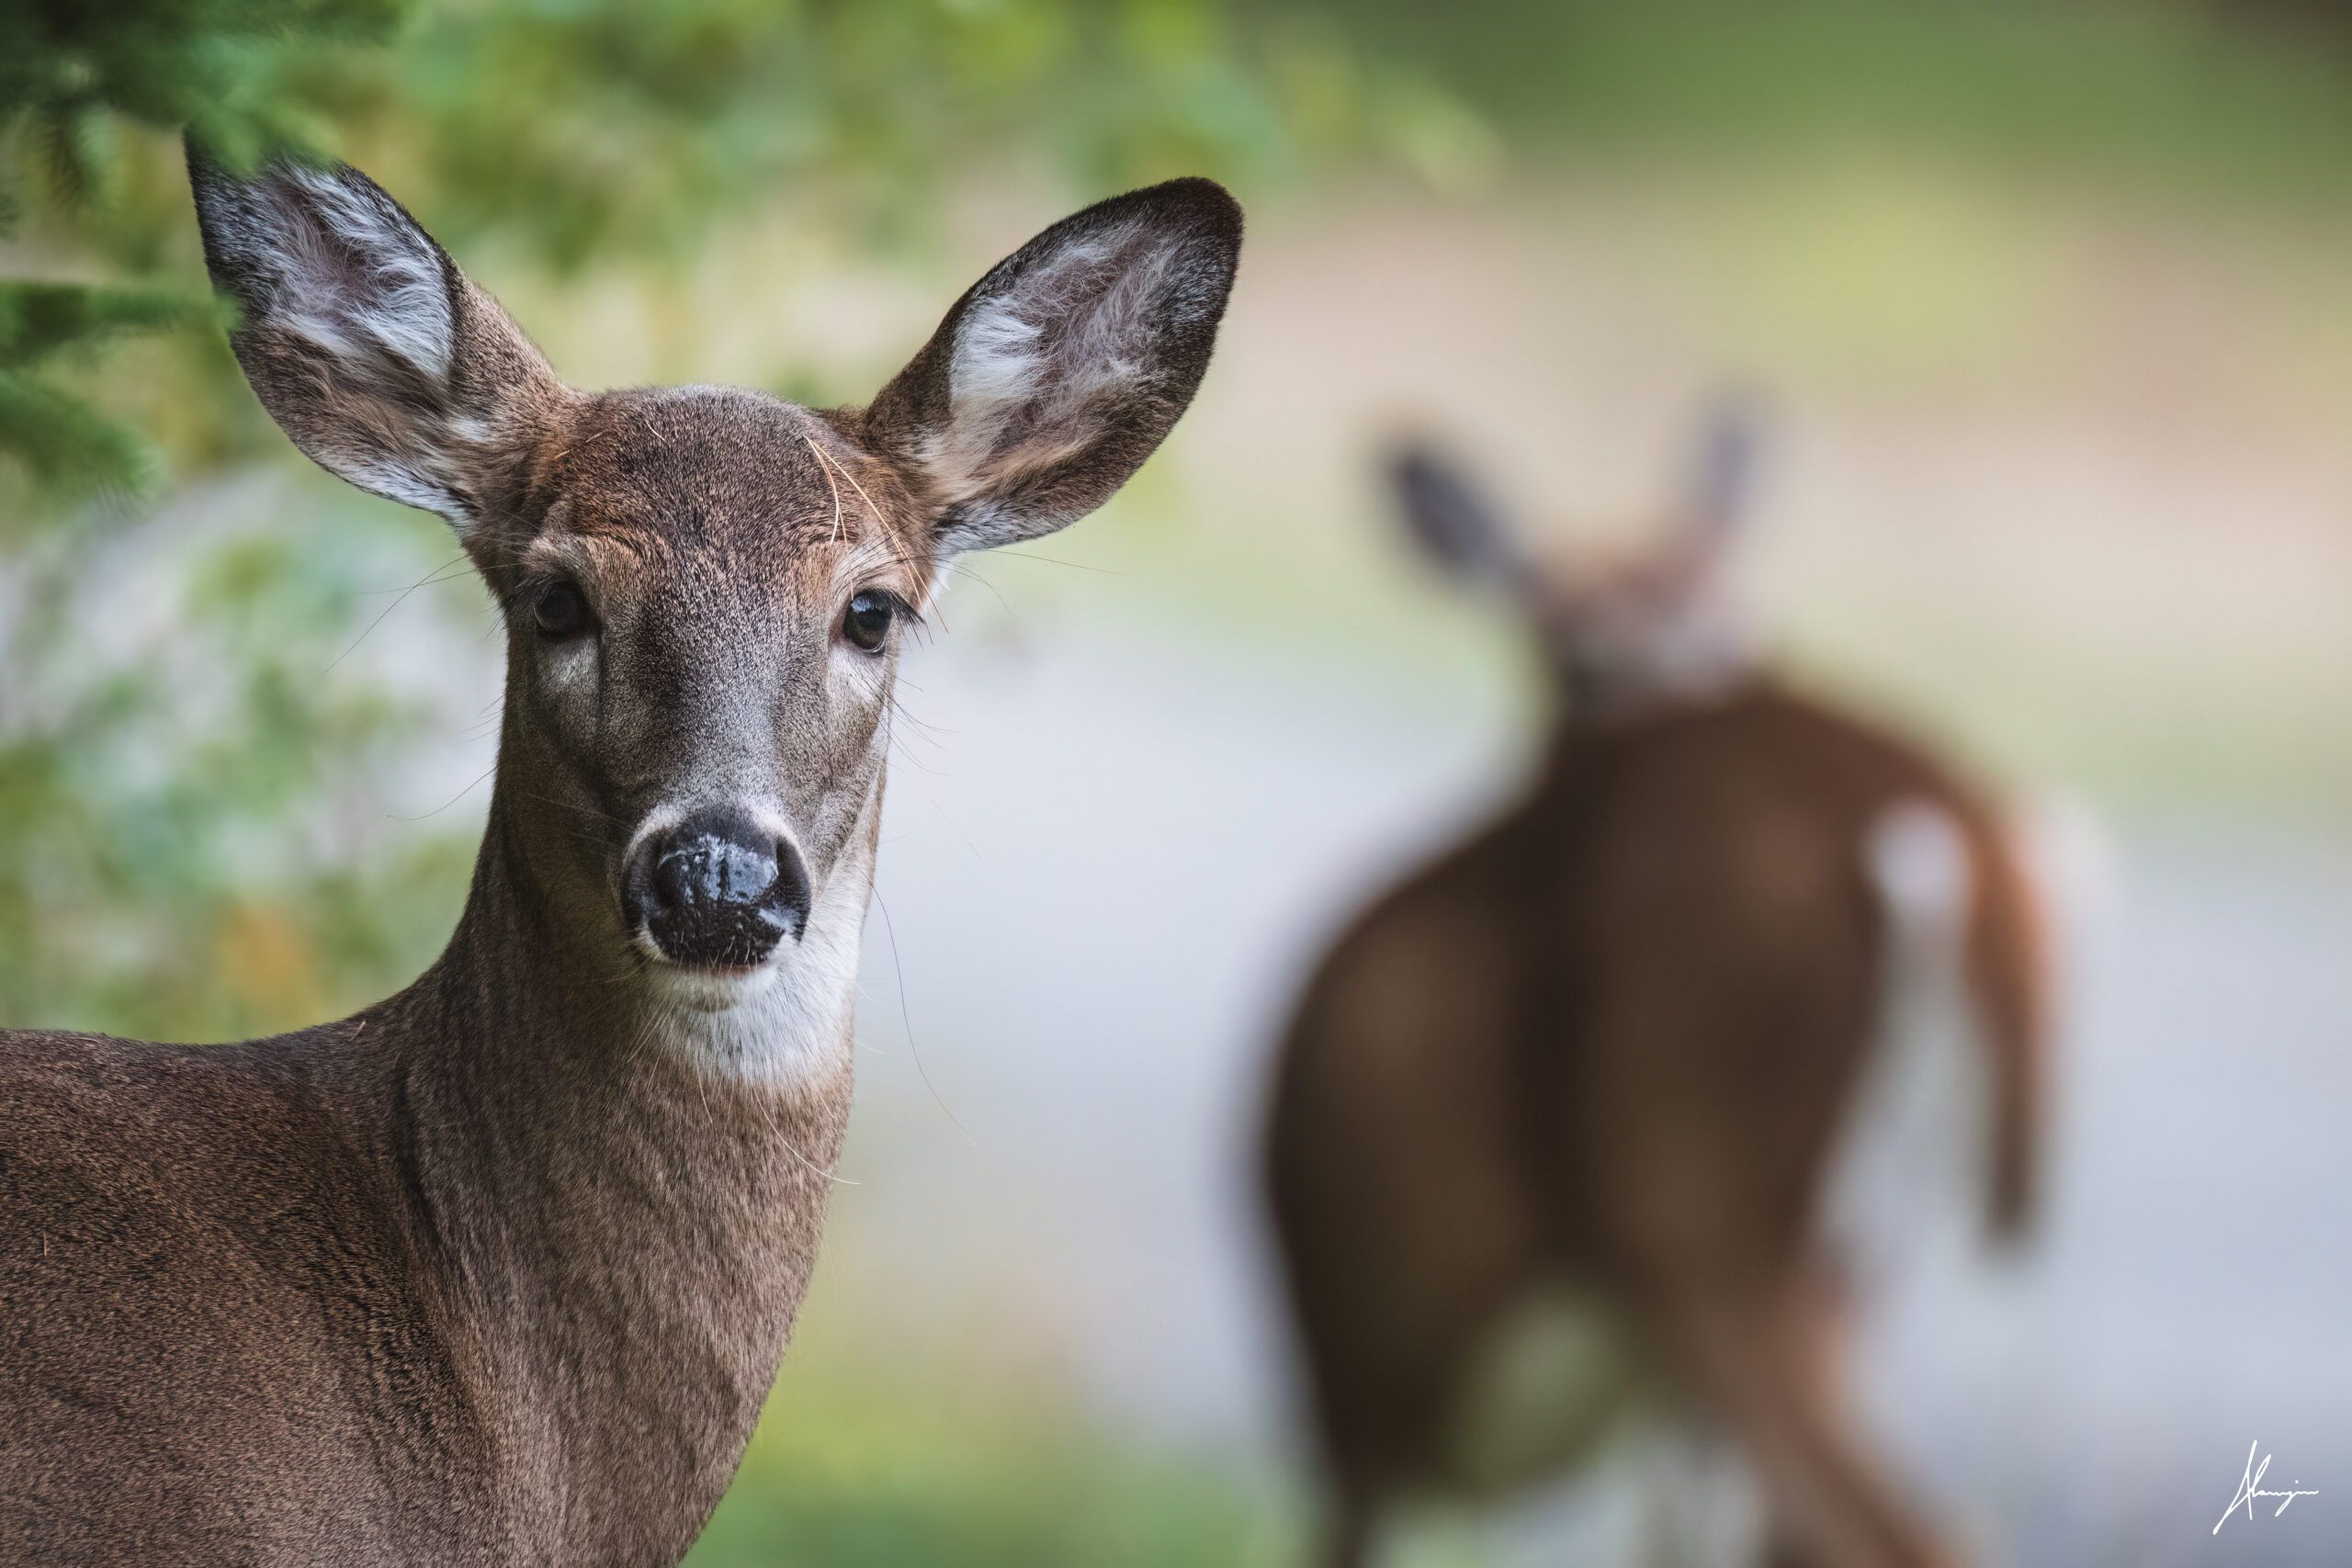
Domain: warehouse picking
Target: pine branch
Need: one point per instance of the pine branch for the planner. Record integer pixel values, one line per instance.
(38, 320)
(69, 447)
(69, 75)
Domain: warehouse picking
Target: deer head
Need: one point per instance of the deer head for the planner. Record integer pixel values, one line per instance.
(1621, 631)
(705, 590)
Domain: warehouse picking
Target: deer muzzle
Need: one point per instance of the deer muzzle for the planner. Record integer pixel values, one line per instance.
(715, 891)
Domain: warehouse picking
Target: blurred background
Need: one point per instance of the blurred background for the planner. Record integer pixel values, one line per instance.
(2052, 302)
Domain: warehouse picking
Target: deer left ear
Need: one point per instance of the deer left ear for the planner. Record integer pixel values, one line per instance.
(1060, 372)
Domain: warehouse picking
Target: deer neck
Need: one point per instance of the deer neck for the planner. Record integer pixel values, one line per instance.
(625, 1227)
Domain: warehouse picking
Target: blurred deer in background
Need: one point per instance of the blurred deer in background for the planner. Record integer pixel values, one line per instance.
(1571, 1125)
(499, 1269)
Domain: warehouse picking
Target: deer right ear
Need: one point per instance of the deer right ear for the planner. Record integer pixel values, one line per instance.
(363, 340)
(1456, 522)
(1058, 373)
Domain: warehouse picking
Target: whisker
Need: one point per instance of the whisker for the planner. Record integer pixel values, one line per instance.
(574, 805)
(907, 1020)
(828, 464)
(388, 609)
(965, 571)
(445, 806)
(1052, 561)
(847, 475)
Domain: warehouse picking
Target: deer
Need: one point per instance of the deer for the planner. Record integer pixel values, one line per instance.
(501, 1270)
(1574, 1124)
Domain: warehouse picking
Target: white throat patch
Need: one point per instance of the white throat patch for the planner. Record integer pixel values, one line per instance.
(791, 1021)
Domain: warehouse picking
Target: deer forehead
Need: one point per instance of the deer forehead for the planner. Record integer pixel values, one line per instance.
(732, 495)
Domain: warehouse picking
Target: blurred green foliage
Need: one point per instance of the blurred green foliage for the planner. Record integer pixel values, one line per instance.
(140, 889)
(148, 728)
(602, 128)
(73, 79)
(175, 747)
(2231, 97)
(617, 132)
(873, 1460)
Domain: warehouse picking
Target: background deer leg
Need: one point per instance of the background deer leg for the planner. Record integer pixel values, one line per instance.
(1762, 1357)
(1347, 1530)
(1701, 1508)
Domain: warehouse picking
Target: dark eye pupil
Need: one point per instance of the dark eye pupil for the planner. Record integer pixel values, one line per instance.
(560, 610)
(867, 620)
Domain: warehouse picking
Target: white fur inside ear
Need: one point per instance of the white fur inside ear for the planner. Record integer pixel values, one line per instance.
(330, 266)
(1033, 364)
(360, 281)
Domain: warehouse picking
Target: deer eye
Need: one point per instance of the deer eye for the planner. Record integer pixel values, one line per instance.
(560, 611)
(867, 620)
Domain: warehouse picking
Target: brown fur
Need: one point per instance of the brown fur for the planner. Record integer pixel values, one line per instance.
(1608, 1042)
(499, 1270)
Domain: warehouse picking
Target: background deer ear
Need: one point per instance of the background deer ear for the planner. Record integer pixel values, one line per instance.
(1456, 522)
(363, 340)
(1060, 372)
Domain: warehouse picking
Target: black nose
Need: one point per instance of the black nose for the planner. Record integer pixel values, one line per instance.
(715, 892)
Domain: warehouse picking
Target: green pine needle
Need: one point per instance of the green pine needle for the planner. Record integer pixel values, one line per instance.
(38, 320)
(69, 448)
